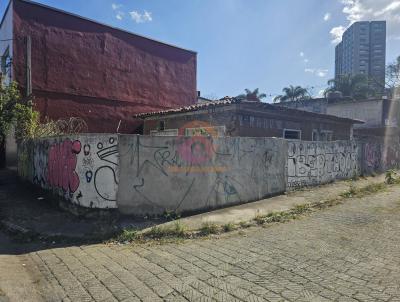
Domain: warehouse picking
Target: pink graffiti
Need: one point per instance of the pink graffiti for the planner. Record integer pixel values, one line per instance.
(62, 164)
(196, 150)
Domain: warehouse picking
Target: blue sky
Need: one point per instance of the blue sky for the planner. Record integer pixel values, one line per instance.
(265, 44)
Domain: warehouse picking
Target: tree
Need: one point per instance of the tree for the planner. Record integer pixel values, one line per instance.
(292, 93)
(253, 96)
(14, 112)
(393, 77)
(9, 95)
(355, 86)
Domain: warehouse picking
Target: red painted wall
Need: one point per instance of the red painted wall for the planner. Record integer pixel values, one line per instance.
(82, 68)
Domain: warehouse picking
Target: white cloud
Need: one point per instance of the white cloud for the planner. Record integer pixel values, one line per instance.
(116, 6)
(317, 71)
(337, 33)
(327, 16)
(370, 10)
(141, 17)
(305, 60)
(301, 54)
(120, 15)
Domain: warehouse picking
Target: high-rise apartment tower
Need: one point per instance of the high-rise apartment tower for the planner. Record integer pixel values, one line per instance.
(363, 51)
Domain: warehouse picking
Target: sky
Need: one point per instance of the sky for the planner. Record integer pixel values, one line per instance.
(265, 44)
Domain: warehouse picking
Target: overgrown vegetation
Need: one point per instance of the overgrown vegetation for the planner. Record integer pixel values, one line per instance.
(208, 228)
(177, 229)
(391, 177)
(171, 215)
(9, 96)
(14, 112)
(363, 191)
(228, 227)
(20, 113)
(26, 121)
(128, 235)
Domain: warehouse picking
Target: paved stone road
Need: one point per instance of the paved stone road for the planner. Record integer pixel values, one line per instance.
(350, 252)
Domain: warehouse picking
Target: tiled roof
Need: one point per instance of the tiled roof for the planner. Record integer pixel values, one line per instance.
(194, 107)
(259, 105)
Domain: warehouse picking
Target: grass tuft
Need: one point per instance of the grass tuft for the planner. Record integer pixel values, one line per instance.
(364, 191)
(128, 235)
(301, 209)
(177, 229)
(208, 228)
(228, 227)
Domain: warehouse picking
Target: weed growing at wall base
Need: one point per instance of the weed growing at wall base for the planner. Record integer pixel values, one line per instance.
(228, 227)
(354, 192)
(208, 228)
(128, 235)
(391, 177)
(178, 231)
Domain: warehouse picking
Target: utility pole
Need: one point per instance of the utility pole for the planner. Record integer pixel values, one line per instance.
(28, 66)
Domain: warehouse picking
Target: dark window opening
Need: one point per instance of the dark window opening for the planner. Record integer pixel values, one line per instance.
(162, 126)
(292, 134)
(5, 61)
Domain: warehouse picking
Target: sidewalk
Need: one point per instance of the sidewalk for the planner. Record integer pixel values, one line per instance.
(25, 211)
(30, 214)
(248, 211)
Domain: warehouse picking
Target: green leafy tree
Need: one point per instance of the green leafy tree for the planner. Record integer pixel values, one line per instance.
(9, 96)
(355, 86)
(26, 121)
(13, 112)
(393, 77)
(292, 93)
(253, 96)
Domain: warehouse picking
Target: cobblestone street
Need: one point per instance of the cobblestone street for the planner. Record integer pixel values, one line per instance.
(349, 252)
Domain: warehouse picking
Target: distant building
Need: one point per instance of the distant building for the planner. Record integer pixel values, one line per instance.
(363, 51)
(381, 117)
(233, 117)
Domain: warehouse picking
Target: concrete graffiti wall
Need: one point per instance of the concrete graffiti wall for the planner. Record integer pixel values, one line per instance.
(82, 169)
(144, 175)
(196, 173)
(379, 155)
(313, 163)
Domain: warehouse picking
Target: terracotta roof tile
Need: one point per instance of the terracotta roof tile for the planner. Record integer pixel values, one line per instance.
(229, 100)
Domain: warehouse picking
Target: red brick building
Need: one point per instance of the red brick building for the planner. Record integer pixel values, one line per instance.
(82, 68)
